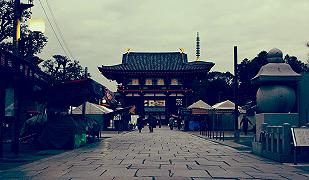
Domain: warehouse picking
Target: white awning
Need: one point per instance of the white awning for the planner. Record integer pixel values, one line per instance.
(92, 109)
(200, 105)
(227, 105)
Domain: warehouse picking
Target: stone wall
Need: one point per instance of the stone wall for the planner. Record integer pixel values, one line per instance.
(303, 99)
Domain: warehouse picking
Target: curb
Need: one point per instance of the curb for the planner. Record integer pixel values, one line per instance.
(236, 146)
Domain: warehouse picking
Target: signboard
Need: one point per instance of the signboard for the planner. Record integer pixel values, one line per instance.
(117, 117)
(154, 103)
(184, 111)
(300, 137)
(155, 109)
(178, 102)
(9, 102)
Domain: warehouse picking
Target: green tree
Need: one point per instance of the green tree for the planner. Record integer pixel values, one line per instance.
(30, 43)
(63, 69)
(219, 87)
(247, 69)
(297, 65)
(215, 87)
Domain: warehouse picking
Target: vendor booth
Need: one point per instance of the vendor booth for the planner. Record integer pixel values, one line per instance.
(97, 112)
(64, 130)
(201, 116)
(224, 112)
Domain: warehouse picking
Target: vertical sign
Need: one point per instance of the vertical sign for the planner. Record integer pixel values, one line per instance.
(9, 102)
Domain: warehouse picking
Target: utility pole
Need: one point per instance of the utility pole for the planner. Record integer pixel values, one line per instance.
(308, 53)
(84, 104)
(236, 133)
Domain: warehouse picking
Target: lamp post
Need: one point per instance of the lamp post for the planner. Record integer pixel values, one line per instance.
(18, 10)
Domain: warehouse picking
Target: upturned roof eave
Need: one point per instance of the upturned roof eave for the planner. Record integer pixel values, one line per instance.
(112, 69)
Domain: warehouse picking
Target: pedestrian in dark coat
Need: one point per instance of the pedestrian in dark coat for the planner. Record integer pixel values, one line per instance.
(171, 122)
(140, 123)
(245, 123)
(152, 121)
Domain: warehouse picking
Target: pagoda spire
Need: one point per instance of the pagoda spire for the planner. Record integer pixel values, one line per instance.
(197, 47)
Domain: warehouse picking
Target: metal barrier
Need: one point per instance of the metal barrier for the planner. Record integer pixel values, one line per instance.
(212, 129)
(276, 139)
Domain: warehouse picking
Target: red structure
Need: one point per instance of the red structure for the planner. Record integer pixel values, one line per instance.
(156, 83)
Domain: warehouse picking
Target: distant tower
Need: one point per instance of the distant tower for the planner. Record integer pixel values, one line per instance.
(198, 47)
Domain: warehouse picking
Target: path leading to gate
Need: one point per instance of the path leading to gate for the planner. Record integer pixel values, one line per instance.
(160, 155)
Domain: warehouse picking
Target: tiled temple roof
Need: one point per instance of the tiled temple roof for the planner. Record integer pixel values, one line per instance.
(155, 62)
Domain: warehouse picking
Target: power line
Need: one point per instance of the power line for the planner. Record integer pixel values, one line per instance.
(59, 30)
(53, 29)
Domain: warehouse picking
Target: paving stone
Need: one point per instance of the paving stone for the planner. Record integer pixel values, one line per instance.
(153, 173)
(294, 176)
(163, 154)
(86, 174)
(131, 161)
(133, 178)
(175, 167)
(205, 167)
(174, 178)
(123, 172)
(265, 175)
(191, 173)
(228, 174)
(144, 166)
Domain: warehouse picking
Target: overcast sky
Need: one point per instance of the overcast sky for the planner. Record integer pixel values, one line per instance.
(98, 31)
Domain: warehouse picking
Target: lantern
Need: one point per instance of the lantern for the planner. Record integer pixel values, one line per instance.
(37, 25)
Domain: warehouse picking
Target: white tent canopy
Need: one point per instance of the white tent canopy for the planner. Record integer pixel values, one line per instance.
(200, 105)
(227, 105)
(92, 109)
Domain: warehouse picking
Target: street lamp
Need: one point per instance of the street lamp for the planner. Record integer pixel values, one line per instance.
(18, 10)
(37, 25)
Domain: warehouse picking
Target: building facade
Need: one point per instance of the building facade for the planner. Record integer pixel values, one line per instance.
(156, 83)
(22, 86)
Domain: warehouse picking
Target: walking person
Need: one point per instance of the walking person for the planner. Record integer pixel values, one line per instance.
(245, 123)
(178, 122)
(159, 121)
(151, 123)
(140, 123)
(171, 122)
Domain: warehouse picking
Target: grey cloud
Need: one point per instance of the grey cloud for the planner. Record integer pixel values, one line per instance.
(97, 31)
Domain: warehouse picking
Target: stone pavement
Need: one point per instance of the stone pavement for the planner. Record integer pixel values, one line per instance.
(163, 154)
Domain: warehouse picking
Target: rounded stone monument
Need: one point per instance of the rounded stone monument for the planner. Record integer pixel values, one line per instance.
(276, 78)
